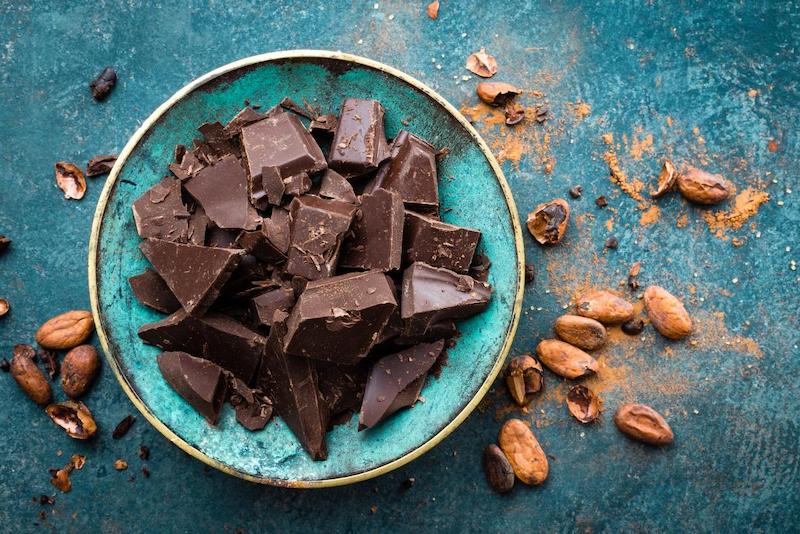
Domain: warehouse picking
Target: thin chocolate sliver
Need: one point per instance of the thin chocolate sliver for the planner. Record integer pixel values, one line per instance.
(395, 382)
(100, 165)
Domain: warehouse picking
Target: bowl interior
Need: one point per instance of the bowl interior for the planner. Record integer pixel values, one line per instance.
(471, 195)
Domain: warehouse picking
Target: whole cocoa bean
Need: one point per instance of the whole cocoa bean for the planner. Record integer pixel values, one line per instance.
(498, 470)
(564, 359)
(30, 378)
(605, 307)
(583, 332)
(667, 313)
(65, 331)
(643, 423)
(524, 453)
(79, 370)
(703, 187)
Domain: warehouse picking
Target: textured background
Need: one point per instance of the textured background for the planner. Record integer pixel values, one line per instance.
(715, 84)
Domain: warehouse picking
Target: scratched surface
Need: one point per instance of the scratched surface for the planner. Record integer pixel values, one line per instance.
(714, 84)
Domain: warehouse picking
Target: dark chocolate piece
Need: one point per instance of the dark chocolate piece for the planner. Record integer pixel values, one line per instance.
(246, 116)
(246, 281)
(297, 184)
(318, 227)
(200, 382)
(151, 290)
(221, 237)
(221, 190)
(442, 330)
(265, 304)
(289, 104)
(377, 236)
(253, 408)
(198, 225)
(194, 274)
(266, 243)
(281, 142)
(342, 387)
(411, 171)
(359, 143)
(278, 229)
(160, 212)
(293, 382)
(437, 243)
(100, 165)
(479, 270)
(323, 125)
(216, 337)
(189, 166)
(395, 382)
(272, 185)
(335, 186)
(218, 143)
(430, 295)
(339, 319)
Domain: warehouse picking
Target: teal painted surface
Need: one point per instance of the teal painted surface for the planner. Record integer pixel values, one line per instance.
(469, 190)
(734, 466)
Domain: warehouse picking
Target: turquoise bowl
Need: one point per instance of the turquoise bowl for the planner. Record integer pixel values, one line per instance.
(473, 192)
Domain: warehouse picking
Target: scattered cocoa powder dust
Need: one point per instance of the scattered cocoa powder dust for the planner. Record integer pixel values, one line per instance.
(711, 333)
(772, 146)
(752, 93)
(650, 216)
(632, 188)
(610, 224)
(641, 144)
(581, 109)
(682, 221)
(745, 205)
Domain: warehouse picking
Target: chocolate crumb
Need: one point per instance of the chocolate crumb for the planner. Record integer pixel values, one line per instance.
(5, 365)
(409, 482)
(541, 114)
(530, 273)
(100, 165)
(123, 426)
(576, 191)
(442, 153)
(633, 327)
(145, 471)
(601, 202)
(46, 499)
(144, 452)
(612, 242)
(103, 84)
(4, 243)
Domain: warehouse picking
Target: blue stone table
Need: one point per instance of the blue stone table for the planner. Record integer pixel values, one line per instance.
(626, 83)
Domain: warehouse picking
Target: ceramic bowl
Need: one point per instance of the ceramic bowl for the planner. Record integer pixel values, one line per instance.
(473, 193)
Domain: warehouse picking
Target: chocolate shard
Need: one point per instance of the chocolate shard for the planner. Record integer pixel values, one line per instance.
(253, 408)
(100, 165)
(411, 171)
(437, 243)
(266, 243)
(221, 237)
(265, 304)
(189, 165)
(359, 142)
(395, 382)
(318, 227)
(215, 337)
(430, 295)
(221, 189)
(323, 125)
(293, 382)
(151, 290)
(200, 382)
(339, 319)
(281, 141)
(246, 116)
(442, 330)
(218, 141)
(335, 186)
(297, 184)
(376, 240)
(198, 225)
(278, 229)
(194, 274)
(272, 185)
(159, 213)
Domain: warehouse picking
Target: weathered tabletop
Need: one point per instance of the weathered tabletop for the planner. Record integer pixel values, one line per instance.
(714, 84)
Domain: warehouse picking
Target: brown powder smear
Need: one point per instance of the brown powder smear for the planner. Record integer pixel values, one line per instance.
(641, 144)
(650, 216)
(745, 205)
(632, 188)
(581, 109)
(711, 333)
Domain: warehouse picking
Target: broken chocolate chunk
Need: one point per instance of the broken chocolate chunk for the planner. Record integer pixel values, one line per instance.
(281, 141)
(437, 243)
(221, 189)
(429, 295)
(395, 382)
(359, 142)
(255, 416)
(151, 290)
(411, 171)
(194, 274)
(272, 187)
(290, 105)
(100, 165)
(246, 116)
(377, 235)
(215, 337)
(340, 318)
(198, 225)
(263, 243)
(293, 382)
(336, 187)
(323, 125)
(318, 227)
(265, 304)
(103, 84)
(297, 184)
(160, 213)
(342, 387)
(200, 382)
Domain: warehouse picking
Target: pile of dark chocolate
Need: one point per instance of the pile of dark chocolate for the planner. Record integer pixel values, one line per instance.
(315, 286)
